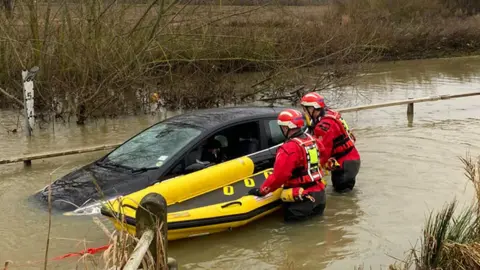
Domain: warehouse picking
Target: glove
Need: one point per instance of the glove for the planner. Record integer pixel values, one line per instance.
(295, 195)
(331, 164)
(255, 192)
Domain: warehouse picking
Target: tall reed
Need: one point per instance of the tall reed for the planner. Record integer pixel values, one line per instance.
(450, 242)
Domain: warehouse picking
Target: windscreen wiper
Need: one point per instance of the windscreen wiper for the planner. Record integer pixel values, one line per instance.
(111, 164)
(143, 169)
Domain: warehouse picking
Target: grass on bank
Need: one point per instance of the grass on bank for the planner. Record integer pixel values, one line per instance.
(449, 241)
(414, 29)
(105, 58)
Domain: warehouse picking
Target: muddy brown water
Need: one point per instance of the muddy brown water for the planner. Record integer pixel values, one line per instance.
(406, 171)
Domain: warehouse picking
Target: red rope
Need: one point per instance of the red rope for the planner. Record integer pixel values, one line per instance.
(89, 251)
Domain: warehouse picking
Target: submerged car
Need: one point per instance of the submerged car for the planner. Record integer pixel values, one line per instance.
(177, 146)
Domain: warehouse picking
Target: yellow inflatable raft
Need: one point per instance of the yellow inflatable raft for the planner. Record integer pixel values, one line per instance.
(207, 201)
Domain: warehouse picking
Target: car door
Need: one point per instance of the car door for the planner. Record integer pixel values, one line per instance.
(234, 141)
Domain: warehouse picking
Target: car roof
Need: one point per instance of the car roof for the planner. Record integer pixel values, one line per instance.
(211, 118)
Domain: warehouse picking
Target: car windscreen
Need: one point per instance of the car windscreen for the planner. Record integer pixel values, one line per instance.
(154, 146)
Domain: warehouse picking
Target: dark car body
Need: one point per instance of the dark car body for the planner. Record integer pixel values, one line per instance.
(121, 173)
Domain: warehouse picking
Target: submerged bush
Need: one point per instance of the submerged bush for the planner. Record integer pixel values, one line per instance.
(106, 58)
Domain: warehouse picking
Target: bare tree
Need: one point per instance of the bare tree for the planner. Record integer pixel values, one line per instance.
(8, 5)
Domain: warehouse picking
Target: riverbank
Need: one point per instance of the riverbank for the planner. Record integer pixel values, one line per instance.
(450, 240)
(105, 60)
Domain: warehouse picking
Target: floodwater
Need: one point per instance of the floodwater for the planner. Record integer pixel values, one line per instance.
(407, 170)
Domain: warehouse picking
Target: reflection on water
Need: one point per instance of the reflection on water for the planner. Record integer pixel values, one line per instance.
(406, 171)
(271, 242)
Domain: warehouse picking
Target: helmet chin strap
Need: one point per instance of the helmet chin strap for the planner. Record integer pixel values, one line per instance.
(313, 119)
(322, 112)
(285, 133)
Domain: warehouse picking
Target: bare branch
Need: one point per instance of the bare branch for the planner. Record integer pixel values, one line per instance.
(11, 97)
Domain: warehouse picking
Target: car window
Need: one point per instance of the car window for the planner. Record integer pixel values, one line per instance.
(232, 142)
(154, 146)
(275, 135)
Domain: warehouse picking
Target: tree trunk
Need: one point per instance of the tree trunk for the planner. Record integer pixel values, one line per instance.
(8, 4)
(81, 115)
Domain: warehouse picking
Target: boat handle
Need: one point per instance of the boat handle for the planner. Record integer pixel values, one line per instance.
(231, 203)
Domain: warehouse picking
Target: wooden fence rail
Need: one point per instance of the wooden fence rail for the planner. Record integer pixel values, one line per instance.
(27, 159)
(408, 102)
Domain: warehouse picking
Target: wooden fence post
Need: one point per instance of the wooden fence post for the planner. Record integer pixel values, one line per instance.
(28, 98)
(151, 215)
(410, 113)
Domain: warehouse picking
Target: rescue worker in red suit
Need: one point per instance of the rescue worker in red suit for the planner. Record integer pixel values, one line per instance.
(297, 168)
(339, 142)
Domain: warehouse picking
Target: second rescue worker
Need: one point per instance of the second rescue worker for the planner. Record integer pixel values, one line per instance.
(297, 168)
(329, 126)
